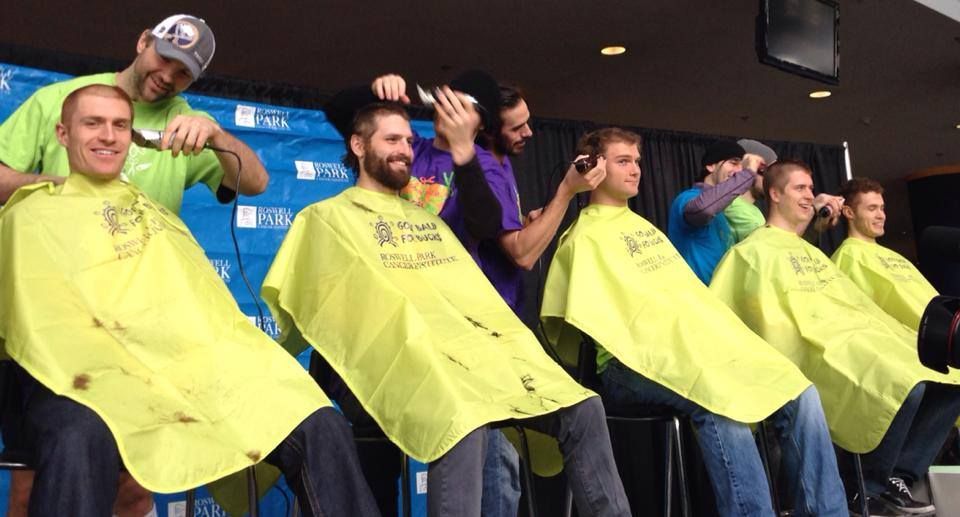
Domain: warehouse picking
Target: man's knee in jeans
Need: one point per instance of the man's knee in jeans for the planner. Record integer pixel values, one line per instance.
(85, 432)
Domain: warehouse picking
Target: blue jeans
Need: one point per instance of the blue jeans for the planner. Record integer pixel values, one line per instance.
(914, 437)
(78, 464)
(501, 477)
(454, 483)
(730, 452)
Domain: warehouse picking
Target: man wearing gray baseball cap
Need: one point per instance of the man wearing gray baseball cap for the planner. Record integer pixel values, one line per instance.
(170, 57)
(742, 214)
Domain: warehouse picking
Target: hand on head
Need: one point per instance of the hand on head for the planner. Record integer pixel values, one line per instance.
(390, 87)
(835, 205)
(587, 181)
(754, 162)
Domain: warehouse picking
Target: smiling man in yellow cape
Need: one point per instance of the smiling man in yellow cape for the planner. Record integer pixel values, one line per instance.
(132, 350)
(889, 279)
(879, 400)
(391, 299)
(664, 339)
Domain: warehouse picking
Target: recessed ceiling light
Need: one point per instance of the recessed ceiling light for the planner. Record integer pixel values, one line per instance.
(614, 50)
(820, 94)
(957, 126)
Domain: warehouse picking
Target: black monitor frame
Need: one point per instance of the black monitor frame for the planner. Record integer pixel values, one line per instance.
(762, 49)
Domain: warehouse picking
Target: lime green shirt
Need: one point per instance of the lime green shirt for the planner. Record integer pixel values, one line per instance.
(28, 143)
(744, 217)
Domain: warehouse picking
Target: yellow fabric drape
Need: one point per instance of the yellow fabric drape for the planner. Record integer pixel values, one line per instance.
(107, 299)
(391, 299)
(862, 361)
(889, 279)
(617, 278)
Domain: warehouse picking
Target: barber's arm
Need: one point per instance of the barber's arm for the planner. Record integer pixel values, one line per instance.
(189, 134)
(457, 122)
(714, 199)
(11, 180)
(822, 224)
(525, 246)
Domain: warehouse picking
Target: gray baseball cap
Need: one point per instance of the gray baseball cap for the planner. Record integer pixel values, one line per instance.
(187, 39)
(761, 150)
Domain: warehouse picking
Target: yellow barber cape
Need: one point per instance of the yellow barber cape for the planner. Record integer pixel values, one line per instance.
(617, 278)
(862, 360)
(889, 279)
(390, 298)
(106, 299)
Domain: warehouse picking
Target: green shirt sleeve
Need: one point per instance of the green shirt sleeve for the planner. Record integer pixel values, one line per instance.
(743, 217)
(23, 136)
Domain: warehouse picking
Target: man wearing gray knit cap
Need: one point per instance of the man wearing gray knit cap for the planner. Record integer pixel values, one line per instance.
(743, 214)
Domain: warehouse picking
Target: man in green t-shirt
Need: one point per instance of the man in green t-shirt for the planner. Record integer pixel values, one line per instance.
(169, 58)
(742, 213)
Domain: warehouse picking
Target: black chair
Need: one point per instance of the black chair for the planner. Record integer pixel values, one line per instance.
(585, 373)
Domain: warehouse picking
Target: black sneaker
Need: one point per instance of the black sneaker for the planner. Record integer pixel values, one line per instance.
(875, 508)
(898, 497)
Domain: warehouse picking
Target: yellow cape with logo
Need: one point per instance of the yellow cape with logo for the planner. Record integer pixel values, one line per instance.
(617, 278)
(107, 299)
(862, 361)
(391, 299)
(889, 279)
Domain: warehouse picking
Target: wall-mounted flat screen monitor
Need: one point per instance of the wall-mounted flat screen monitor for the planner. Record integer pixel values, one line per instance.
(801, 37)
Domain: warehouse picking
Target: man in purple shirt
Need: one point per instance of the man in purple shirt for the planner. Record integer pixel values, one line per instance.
(487, 219)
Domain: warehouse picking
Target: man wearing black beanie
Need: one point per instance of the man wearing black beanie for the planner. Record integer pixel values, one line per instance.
(697, 226)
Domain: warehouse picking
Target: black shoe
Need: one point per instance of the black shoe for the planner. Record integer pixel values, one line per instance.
(898, 497)
(875, 508)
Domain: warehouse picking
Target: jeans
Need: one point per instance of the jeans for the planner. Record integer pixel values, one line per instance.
(78, 464)
(730, 452)
(454, 483)
(501, 477)
(914, 437)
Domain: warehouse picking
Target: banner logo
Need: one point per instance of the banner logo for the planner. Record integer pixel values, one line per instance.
(271, 217)
(246, 216)
(265, 118)
(268, 325)
(322, 171)
(5, 75)
(222, 266)
(205, 507)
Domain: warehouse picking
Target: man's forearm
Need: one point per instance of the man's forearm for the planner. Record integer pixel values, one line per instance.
(253, 176)
(713, 199)
(481, 210)
(11, 180)
(525, 246)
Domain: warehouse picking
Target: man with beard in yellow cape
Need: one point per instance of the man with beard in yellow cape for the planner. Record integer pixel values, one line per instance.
(664, 339)
(390, 298)
(879, 400)
(131, 350)
(889, 279)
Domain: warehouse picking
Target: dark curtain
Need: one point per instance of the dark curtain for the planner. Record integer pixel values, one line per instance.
(670, 161)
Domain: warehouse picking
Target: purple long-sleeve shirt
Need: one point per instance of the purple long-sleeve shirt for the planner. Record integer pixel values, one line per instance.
(713, 199)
